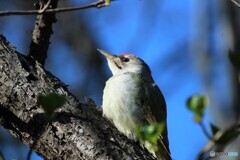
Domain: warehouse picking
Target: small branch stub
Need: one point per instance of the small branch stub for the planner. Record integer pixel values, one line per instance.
(42, 32)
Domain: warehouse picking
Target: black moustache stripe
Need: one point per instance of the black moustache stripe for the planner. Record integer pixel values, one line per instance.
(119, 67)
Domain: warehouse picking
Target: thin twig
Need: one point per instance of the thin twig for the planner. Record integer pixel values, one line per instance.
(212, 142)
(236, 3)
(98, 4)
(45, 7)
(29, 154)
(205, 131)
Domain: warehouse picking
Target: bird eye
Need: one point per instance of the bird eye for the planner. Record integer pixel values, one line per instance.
(124, 59)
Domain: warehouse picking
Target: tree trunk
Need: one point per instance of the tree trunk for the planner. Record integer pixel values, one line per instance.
(78, 130)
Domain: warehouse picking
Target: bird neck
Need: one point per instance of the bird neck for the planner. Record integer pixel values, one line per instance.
(144, 74)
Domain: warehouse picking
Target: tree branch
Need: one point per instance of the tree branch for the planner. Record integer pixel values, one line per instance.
(42, 32)
(98, 4)
(236, 3)
(44, 8)
(78, 131)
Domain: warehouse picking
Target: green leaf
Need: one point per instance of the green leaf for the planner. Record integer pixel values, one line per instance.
(234, 59)
(51, 102)
(197, 105)
(150, 133)
(107, 2)
(228, 136)
(214, 129)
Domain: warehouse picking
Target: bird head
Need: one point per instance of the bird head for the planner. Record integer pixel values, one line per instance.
(126, 63)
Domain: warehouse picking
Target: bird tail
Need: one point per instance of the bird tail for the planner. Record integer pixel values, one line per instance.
(163, 152)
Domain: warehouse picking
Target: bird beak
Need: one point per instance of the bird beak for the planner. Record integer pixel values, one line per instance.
(106, 54)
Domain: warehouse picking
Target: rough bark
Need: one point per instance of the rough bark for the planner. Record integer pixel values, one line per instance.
(78, 130)
(42, 32)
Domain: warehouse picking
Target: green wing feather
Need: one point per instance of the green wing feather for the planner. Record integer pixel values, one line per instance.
(154, 108)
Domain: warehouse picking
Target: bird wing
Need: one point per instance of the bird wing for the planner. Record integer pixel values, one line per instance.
(154, 108)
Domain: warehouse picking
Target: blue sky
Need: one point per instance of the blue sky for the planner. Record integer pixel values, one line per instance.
(171, 37)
